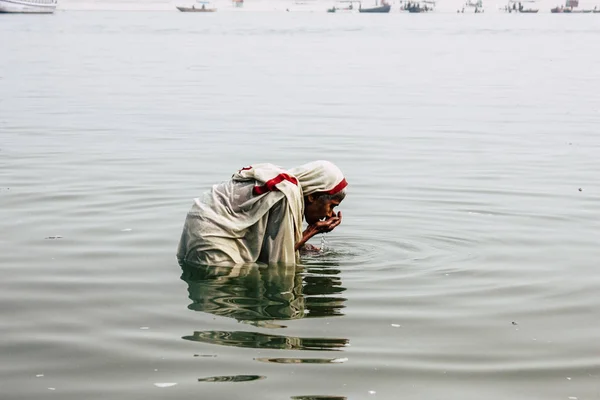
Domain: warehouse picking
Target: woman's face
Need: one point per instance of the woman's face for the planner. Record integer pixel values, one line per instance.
(317, 208)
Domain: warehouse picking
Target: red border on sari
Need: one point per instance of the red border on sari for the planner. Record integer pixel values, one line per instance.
(271, 184)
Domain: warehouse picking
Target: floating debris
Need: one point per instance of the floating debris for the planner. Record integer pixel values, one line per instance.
(126, 230)
(144, 327)
(514, 323)
(234, 378)
(580, 189)
(205, 355)
(51, 388)
(396, 325)
(568, 378)
(39, 375)
(372, 392)
(572, 398)
(165, 384)
(54, 237)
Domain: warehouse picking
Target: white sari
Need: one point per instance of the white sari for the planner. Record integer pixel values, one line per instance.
(256, 216)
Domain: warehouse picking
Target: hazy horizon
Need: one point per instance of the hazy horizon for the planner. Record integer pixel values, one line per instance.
(283, 5)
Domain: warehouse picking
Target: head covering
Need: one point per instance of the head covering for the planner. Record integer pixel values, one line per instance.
(319, 176)
(316, 176)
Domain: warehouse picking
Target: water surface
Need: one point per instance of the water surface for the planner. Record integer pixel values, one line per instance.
(466, 263)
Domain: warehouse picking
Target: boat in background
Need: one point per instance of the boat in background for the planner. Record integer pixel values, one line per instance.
(343, 6)
(28, 6)
(419, 6)
(518, 6)
(385, 7)
(204, 7)
(472, 6)
(570, 8)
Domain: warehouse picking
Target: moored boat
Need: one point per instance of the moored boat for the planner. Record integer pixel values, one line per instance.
(345, 6)
(28, 6)
(204, 7)
(570, 8)
(518, 6)
(383, 8)
(472, 6)
(419, 6)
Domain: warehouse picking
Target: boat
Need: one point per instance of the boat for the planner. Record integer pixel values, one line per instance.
(28, 6)
(518, 6)
(343, 6)
(419, 6)
(474, 6)
(383, 8)
(570, 8)
(238, 3)
(204, 7)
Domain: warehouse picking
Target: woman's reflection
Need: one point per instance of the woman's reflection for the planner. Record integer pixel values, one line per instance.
(261, 292)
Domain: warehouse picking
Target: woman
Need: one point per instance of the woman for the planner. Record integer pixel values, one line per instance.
(257, 215)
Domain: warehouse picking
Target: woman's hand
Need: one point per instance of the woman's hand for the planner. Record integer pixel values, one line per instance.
(328, 225)
(324, 226)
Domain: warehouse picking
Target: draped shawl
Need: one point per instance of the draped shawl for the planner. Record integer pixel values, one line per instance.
(256, 216)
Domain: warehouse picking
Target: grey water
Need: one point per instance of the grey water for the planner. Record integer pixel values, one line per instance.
(466, 266)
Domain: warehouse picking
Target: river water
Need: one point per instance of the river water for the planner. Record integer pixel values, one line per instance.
(466, 264)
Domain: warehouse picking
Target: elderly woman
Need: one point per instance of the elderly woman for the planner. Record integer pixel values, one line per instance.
(257, 215)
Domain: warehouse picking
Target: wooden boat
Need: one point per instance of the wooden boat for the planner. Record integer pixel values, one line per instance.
(419, 6)
(474, 6)
(345, 6)
(383, 8)
(193, 9)
(28, 6)
(570, 8)
(205, 7)
(517, 6)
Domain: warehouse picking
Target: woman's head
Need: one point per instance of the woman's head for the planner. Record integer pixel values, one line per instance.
(323, 187)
